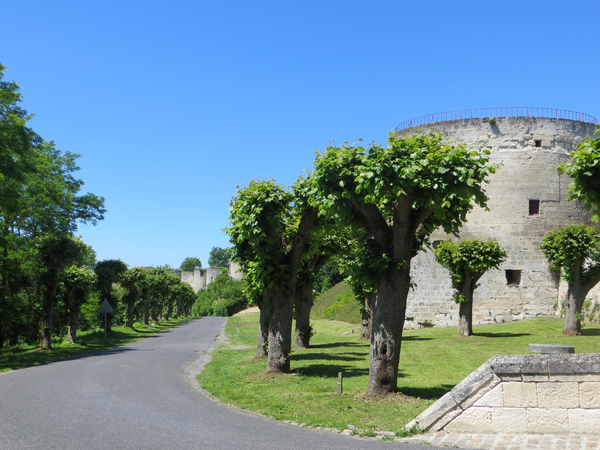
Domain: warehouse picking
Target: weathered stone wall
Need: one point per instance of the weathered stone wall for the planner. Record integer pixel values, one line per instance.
(522, 394)
(527, 151)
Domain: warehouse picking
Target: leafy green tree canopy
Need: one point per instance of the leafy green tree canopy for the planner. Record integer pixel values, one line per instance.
(575, 251)
(585, 171)
(190, 264)
(219, 257)
(469, 258)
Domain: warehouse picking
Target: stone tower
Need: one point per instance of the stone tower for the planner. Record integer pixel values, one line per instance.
(527, 199)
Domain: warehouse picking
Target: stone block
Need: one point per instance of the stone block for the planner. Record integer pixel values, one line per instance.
(509, 420)
(492, 399)
(584, 421)
(534, 368)
(541, 420)
(436, 414)
(551, 348)
(519, 395)
(558, 395)
(589, 395)
(507, 367)
(473, 420)
(579, 363)
(474, 386)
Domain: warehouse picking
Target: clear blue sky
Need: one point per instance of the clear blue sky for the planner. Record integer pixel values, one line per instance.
(175, 103)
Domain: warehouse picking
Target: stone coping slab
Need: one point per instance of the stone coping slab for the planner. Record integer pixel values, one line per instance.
(551, 348)
(507, 368)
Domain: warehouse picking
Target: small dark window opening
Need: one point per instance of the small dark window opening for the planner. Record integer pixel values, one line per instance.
(513, 277)
(538, 143)
(534, 207)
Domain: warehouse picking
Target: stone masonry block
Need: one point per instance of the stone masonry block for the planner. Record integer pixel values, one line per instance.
(558, 395)
(584, 421)
(534, 367)
(473, 420)
(575, 377)
(519, 395)
(507, 367)
(509, 420)
(589, 395)
(492, 398)
(436, 414)
(574, 364)
(541, 420)
(474, 386)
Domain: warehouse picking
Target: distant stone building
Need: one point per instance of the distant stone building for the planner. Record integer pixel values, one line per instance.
(527, 199)
(199, 278)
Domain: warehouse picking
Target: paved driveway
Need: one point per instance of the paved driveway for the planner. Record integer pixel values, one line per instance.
(140, 397)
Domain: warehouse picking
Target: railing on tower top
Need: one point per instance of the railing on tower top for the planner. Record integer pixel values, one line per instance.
(513, 111)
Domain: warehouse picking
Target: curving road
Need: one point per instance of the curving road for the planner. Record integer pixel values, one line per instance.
(140, 397)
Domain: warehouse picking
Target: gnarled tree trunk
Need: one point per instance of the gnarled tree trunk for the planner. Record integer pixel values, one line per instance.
(280, 332)
(47, 326)
(146, 313)
(130, 315)
(264, 306)
(366, 326)
(386, 337)
(303, 305)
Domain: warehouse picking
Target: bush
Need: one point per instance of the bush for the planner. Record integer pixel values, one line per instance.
(222, 297)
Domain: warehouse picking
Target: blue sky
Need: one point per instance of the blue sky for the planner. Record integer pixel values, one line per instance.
(173, 104)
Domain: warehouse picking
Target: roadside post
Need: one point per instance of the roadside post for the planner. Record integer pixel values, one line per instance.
(106, 309)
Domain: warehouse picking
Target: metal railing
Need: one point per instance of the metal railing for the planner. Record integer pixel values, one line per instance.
(511, 111)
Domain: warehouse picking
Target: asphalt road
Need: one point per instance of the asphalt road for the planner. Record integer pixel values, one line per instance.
(140, 397)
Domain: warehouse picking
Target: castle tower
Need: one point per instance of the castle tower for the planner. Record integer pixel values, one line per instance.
(527, 199)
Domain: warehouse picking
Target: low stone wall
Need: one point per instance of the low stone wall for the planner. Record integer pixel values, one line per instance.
(522, 394)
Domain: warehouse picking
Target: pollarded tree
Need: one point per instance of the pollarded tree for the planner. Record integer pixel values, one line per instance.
(585, 171)
(270, 230)
(399, 194)
(109, 272)
(55, 253)
(467, 261)
(130, 280)
(79, 283)
(575, 251)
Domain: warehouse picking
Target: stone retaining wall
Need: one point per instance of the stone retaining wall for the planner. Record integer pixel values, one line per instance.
(522, 394)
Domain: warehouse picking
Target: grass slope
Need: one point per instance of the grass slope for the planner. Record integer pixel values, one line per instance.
(433, 360)
(88, 342)
(327, 301)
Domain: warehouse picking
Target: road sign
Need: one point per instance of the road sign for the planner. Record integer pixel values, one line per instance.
(105, 307)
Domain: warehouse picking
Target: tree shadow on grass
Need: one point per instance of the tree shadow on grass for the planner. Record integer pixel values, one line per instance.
(329, 371)
(590, 331)
(415, 338)
(500, 335)
(432, 393)
(340, 344)
(349, 356)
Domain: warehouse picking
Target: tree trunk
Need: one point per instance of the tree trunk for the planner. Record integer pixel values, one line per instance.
(178, 307)
(386, 338)
(465, 309)
(280, 332)
(575, 299)
(73, 323)
(154, 311)
(303, 305)
(366, 327)
(264, 307)
(169, 311)
(145, 313)
(47, 326)
(130, 315)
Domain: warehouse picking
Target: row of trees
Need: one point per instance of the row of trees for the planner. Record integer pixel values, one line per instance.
(379, 205)
(47, 274)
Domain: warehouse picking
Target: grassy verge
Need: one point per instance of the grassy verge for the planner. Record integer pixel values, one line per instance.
(433, 360)
(337, 303)
(88, 342)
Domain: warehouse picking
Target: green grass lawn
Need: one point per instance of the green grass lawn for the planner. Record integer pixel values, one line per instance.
(88, 342)
(432, 361)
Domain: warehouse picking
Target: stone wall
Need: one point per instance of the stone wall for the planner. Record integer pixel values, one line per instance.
(526, 150)
(522, 394)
